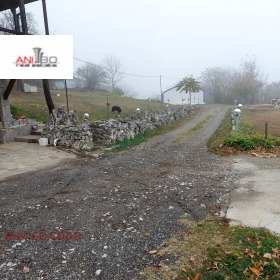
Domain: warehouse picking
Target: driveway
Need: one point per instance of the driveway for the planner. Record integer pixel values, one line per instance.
(99, 219)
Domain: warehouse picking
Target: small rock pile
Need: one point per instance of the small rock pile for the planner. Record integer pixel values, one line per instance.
(68, 131)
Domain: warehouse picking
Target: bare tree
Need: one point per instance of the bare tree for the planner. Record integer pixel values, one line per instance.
(216, 82)
(7, 21)
(112, 67)
(249, 82)
(271, 91)
(93, 75)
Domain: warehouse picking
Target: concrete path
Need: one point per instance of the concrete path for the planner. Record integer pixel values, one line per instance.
(256, 201)
(18, 158)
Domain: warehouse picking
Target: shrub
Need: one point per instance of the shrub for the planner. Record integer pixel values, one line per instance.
(239, 142)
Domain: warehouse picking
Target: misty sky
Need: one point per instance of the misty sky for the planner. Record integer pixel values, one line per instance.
(172, 38)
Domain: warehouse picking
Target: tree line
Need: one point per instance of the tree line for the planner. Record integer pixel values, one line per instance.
(246, 84)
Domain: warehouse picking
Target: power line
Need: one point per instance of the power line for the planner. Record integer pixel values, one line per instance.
(172, 78)
(123, 73)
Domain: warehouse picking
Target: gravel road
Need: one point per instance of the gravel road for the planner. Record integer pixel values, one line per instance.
(98, 219)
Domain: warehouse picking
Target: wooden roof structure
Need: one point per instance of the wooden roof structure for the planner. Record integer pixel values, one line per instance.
(12, 4)
(21, 29)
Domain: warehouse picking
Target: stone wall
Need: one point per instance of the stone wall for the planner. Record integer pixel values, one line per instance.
(66, 130)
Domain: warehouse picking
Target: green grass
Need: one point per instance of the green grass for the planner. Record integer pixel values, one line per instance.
(191, 131)
(225, 141)
(216, 140)
(211, 249)
(142, 137)
(92, 102)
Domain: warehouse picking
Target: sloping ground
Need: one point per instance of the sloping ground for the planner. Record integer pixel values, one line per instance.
(98, 219)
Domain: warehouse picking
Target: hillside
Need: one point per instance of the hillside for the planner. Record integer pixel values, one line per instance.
(94, 103)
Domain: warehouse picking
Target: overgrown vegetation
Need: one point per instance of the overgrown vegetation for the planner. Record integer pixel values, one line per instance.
(249, 136)
(211, 249)
(224, 129)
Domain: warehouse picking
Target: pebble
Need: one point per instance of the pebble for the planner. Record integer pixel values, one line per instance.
(98, 272)
(25, 269)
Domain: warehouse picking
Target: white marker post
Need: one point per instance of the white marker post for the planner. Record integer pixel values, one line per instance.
(237, 113)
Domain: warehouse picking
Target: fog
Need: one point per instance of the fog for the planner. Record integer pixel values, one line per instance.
(171, 38)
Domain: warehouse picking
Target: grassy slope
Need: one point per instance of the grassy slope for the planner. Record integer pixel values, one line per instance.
(94, 103)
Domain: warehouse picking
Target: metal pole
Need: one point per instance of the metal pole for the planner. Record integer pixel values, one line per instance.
(66, 90)
(265, 130)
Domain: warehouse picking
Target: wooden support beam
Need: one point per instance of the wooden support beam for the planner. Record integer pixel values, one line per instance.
(45, 17)
(23, 16)
(8, 89)
(48, 96)
(12, 31)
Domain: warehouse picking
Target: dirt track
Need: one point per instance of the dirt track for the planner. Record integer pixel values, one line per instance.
(122, 206)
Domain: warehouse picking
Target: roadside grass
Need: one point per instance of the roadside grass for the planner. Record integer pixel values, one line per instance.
(210, 249)
(33, 105)
(142, 137)
(184, 136)
(251, 134)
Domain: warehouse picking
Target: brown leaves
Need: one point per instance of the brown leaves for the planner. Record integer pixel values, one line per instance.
(276, 253)
(152, 252)
(249, 252)
(196, 277)
(255, 271)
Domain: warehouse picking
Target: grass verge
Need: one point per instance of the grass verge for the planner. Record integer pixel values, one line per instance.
(211, 250)
(249, 139)
(191, 131)
(142, 137)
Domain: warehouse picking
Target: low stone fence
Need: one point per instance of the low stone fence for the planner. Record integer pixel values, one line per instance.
(65, 129)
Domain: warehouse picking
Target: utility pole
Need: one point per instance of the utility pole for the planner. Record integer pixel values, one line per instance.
(162, 97)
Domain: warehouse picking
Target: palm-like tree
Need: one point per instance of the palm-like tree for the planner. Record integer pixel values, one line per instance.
(189, 85)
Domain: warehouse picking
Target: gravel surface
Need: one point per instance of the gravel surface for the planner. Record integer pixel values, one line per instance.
(98, 219)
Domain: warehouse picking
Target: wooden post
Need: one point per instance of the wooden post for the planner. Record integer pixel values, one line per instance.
(108, 109)
(9, 89)
(265, 130)
(45, 17)
(48, 96)
(66, 90)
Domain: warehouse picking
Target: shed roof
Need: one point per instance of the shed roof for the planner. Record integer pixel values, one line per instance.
(10, 4)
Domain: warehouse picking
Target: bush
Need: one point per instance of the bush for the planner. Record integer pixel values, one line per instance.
(239, 142)
(259, 140)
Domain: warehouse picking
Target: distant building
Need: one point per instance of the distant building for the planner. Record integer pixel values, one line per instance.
(177, 97)
(76, 82)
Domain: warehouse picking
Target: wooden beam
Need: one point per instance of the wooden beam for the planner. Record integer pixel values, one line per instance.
(12, 31)
(45, 17)
(48, 96)
(23, 16)
(9, 89)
